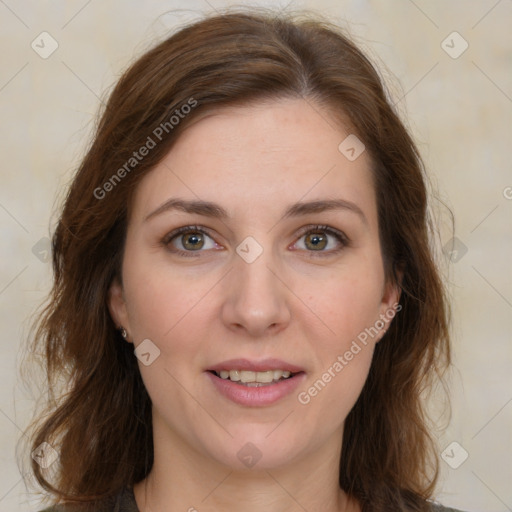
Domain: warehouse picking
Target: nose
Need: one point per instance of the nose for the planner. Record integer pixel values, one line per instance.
(257, 300)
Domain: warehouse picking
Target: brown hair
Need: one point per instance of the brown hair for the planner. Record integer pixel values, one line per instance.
(100, 421)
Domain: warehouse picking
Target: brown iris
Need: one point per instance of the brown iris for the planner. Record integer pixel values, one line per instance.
(195, 240)
(319, 240)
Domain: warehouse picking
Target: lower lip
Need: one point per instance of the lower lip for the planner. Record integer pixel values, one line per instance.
(256, 396)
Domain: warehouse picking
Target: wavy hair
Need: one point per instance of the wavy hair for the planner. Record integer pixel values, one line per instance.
(98, 414)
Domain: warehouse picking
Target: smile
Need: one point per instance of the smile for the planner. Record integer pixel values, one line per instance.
(254, 379)
(255, 383)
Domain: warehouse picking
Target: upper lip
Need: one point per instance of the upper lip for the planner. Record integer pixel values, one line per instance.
(256, 366)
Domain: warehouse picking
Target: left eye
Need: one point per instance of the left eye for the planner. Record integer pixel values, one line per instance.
(316, 239)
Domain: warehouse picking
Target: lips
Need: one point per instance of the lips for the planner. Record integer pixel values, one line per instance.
(255, 383)
(256, 366)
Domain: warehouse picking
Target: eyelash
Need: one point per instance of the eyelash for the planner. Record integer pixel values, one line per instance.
(339, 235)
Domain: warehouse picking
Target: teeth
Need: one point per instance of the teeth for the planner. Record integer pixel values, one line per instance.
(246, 376)
(264, 377)
(234, 375)
(253, 378)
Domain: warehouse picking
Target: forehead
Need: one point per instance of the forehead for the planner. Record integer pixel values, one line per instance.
(260, 156)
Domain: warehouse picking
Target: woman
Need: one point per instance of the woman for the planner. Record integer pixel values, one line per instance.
(245, 308)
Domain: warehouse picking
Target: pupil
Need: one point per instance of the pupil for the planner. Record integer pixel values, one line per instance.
(192, 241)
(317, 239)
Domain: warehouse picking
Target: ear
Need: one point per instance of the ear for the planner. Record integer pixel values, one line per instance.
(390, 301)
(117, 305)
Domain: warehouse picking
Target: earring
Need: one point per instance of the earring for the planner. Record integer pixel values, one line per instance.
(124, 334)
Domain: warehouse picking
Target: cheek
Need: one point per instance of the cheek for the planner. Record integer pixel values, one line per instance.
(172, 308)
(349, 306)
(347, 302)
(165, 307)
(161, 298)
(342, 359)
(336, 390)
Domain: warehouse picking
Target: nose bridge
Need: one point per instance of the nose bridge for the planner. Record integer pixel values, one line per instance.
(257, 299)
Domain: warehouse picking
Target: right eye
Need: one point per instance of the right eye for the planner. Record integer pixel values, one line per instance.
(187, 240)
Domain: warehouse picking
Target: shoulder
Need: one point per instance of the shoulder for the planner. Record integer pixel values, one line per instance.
(63, 508)
(437, 507)
(124, 501)
(60, 508)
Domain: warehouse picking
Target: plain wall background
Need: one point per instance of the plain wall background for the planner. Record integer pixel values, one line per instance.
(459, 110)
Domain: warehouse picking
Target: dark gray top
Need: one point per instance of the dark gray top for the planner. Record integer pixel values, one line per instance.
(125, 502)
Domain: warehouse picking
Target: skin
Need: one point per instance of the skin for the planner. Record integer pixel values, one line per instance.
(291, 303)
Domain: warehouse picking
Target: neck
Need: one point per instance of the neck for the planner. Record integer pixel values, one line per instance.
(184, 479)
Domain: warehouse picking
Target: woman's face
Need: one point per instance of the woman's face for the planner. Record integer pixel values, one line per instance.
(254, 287)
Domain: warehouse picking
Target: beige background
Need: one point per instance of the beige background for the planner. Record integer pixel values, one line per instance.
(459, 110)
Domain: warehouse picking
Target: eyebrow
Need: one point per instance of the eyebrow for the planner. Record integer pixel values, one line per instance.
(210, 209)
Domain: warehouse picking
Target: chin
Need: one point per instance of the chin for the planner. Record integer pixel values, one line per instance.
(258, 448)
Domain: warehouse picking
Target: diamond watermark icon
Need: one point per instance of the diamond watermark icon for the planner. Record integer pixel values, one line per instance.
(249, 455)
(454, 455)
(42, 249)
(44, 45)
(455, 249)
(351, 147)
(454, 45)
(45, 455)
(147, 352)
(249, 250)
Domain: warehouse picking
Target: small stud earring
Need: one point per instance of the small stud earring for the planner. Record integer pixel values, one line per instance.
(124, 334)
